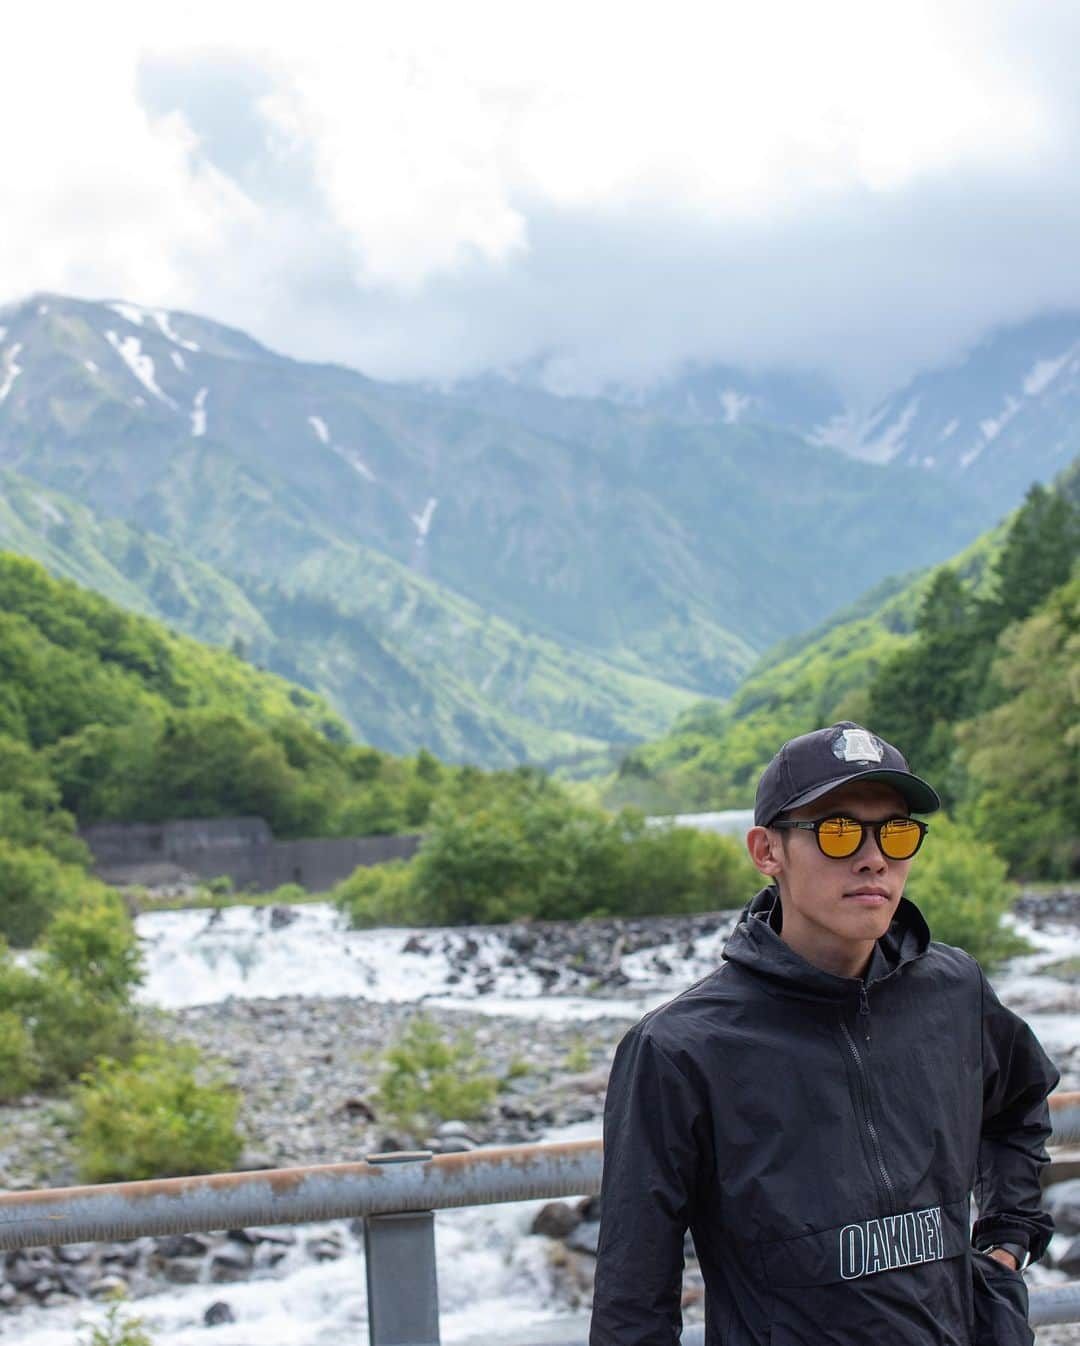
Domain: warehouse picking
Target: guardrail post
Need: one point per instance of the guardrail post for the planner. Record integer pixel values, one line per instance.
(399, 1259)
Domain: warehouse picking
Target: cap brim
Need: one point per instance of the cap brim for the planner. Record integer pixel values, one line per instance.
(920, 797)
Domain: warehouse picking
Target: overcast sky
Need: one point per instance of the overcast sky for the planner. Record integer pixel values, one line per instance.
(425, 190)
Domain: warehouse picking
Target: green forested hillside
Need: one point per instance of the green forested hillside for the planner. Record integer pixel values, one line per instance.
(943, 664)
(405, 660)
(107, 715)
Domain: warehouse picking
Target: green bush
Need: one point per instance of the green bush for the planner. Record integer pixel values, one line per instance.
(71, 998)
(427, 1078)
(95, 945)
(159, 1116)
(960, 886)
(117, 1330)
(33, 888)
(378, 895)
(18, 1069)
(536, 852)
(68, 1024)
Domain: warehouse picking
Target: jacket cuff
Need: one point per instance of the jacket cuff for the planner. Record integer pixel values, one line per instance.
(999, 1229)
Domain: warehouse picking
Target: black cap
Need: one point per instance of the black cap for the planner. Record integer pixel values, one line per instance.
(811, 765)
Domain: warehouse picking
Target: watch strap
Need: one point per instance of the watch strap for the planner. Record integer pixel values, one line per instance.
(1015, 1250)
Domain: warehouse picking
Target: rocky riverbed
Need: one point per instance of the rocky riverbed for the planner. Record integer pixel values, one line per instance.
(307, 1071)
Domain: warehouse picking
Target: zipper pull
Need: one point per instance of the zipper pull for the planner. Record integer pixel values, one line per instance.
(864, 1011)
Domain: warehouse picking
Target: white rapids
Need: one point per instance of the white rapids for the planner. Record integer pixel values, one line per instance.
(201, 957)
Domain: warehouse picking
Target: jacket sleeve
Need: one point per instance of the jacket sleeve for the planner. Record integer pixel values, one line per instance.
(653, 1122)
(1017, 1077)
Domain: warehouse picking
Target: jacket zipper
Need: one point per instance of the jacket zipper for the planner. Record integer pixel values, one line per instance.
(864, 1090)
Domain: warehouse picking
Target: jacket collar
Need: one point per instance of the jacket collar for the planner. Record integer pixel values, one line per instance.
(755, 944)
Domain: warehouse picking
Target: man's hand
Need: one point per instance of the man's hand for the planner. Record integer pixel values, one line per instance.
(1006, 1259)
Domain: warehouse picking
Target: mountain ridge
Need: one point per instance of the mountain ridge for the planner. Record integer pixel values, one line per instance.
(569, 575)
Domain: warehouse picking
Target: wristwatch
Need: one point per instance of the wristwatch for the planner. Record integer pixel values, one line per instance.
(1015, 1250)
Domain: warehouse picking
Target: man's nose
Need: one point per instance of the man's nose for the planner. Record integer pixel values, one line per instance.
(870, 855)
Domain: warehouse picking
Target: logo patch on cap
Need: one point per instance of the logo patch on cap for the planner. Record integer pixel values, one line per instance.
(857, 745)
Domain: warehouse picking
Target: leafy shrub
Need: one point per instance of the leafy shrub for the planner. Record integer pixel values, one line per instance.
(535, 852)
(378, 895)
(960, 886)
(155, 1117)
(427, 1079)
(33, 888)
(68, 1024)
(95, 945)
(18, 1070)
(117, 1330)
(71, 998)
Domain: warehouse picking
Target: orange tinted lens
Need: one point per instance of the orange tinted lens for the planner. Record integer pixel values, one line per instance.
(900, 838)
(839, 837)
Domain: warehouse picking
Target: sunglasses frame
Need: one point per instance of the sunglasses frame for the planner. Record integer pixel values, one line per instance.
(875, 827)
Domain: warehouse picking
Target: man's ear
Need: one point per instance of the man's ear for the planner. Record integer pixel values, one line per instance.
(765, 850)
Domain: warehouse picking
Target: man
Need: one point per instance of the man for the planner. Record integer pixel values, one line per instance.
(819, 1110)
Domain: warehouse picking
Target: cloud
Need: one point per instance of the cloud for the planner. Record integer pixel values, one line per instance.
(852, 187)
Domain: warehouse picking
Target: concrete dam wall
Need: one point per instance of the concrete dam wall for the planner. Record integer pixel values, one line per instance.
(242, 849)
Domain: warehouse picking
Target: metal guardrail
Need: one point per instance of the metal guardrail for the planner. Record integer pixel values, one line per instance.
(396, 1193)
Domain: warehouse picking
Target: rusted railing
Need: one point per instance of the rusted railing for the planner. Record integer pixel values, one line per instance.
(396, 1193)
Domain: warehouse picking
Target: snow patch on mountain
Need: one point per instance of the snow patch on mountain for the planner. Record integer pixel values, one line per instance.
(178, 361)
(423, 521)
(354, 460)
(130, 351)
(50, 511)
(876, 437)
(42, 310)
(165, 325)
(891, 440)
(735, 405)
(949, 430)
(993, 426)
(319, 426)
(1044, 372)
(198, 414)
(12, 371)
(129, 311)
(91, 367)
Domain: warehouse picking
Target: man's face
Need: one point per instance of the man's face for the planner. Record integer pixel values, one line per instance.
(840, 905)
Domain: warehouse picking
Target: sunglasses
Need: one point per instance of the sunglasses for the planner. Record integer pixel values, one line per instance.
(839, 836)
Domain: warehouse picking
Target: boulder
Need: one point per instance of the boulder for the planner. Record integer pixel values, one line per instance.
(183, 1270)
(1062, 1200)
(556, 1220)
(109, 1287)
(219, 1312)
(74, 1253)
(589, 1208)
(182, 1245)
(283, 1234)
(327, 1249)
(231, 1262)
(28, 1267)
(1069, 1261)
(585, 1238)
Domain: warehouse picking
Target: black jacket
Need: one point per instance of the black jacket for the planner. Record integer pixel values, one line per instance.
(821, 1137)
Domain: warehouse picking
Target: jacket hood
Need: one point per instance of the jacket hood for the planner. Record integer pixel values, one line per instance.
(755, 944)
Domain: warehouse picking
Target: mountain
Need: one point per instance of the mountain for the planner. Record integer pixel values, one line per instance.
(713, 754)
(1001, 416)
(1006, 414)
(500, 581)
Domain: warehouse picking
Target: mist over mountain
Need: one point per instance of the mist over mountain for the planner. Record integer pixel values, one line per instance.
(492, 570)
(1003, 414)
